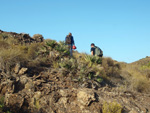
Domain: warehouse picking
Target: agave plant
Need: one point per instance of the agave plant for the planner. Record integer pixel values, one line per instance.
(62, 48)
(51, 43)
(92, 59)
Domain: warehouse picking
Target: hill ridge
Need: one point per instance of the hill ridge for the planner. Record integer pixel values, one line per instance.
(40, 76)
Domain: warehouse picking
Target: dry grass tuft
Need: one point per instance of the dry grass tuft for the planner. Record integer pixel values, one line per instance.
(112, 107)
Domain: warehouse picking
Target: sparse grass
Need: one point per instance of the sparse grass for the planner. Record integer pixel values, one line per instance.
(25, 55)
(4, 45)
(140, 84)
(111, 67)
(139, 76)
(112, 107)
(10, 57)
(138, 81)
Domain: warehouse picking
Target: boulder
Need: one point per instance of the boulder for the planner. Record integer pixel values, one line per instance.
(85, 96)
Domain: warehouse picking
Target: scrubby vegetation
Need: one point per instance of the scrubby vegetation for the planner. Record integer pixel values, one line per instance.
(55, 54)
(112, 107)
(51, 60)
(138, 75)
(51, 54)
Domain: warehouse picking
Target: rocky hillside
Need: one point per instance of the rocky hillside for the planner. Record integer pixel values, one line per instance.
(38, 76)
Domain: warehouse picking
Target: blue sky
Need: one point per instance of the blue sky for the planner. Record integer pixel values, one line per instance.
(121, 28)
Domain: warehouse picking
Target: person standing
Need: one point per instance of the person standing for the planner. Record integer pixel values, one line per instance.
(96, 51)
(69, 40)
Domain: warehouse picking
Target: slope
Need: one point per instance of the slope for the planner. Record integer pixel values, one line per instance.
(39, 76)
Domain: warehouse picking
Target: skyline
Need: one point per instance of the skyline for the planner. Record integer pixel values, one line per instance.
(120, 28)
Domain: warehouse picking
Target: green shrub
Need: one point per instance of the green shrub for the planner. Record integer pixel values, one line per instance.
(69, 64)
(51, 43)
(92, 60)
(62, 49)
(112, 107)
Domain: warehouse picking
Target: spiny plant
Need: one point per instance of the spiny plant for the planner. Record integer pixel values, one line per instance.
(69, 64)
(92, 59)
(62, 48)
(51, 43)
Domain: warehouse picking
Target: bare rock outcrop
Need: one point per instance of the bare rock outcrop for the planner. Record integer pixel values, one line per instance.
(29, 94)
(22, 38)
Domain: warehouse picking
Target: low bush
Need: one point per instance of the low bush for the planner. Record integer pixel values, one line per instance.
(33, 50)
(138, 81)
(10, 57)
(51, 44)
(92, 60)
(140, 84)
(139, 77)
(62, 49)
(112, 107)
(112, 68)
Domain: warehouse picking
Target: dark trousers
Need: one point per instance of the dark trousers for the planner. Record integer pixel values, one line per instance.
(70, 49)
